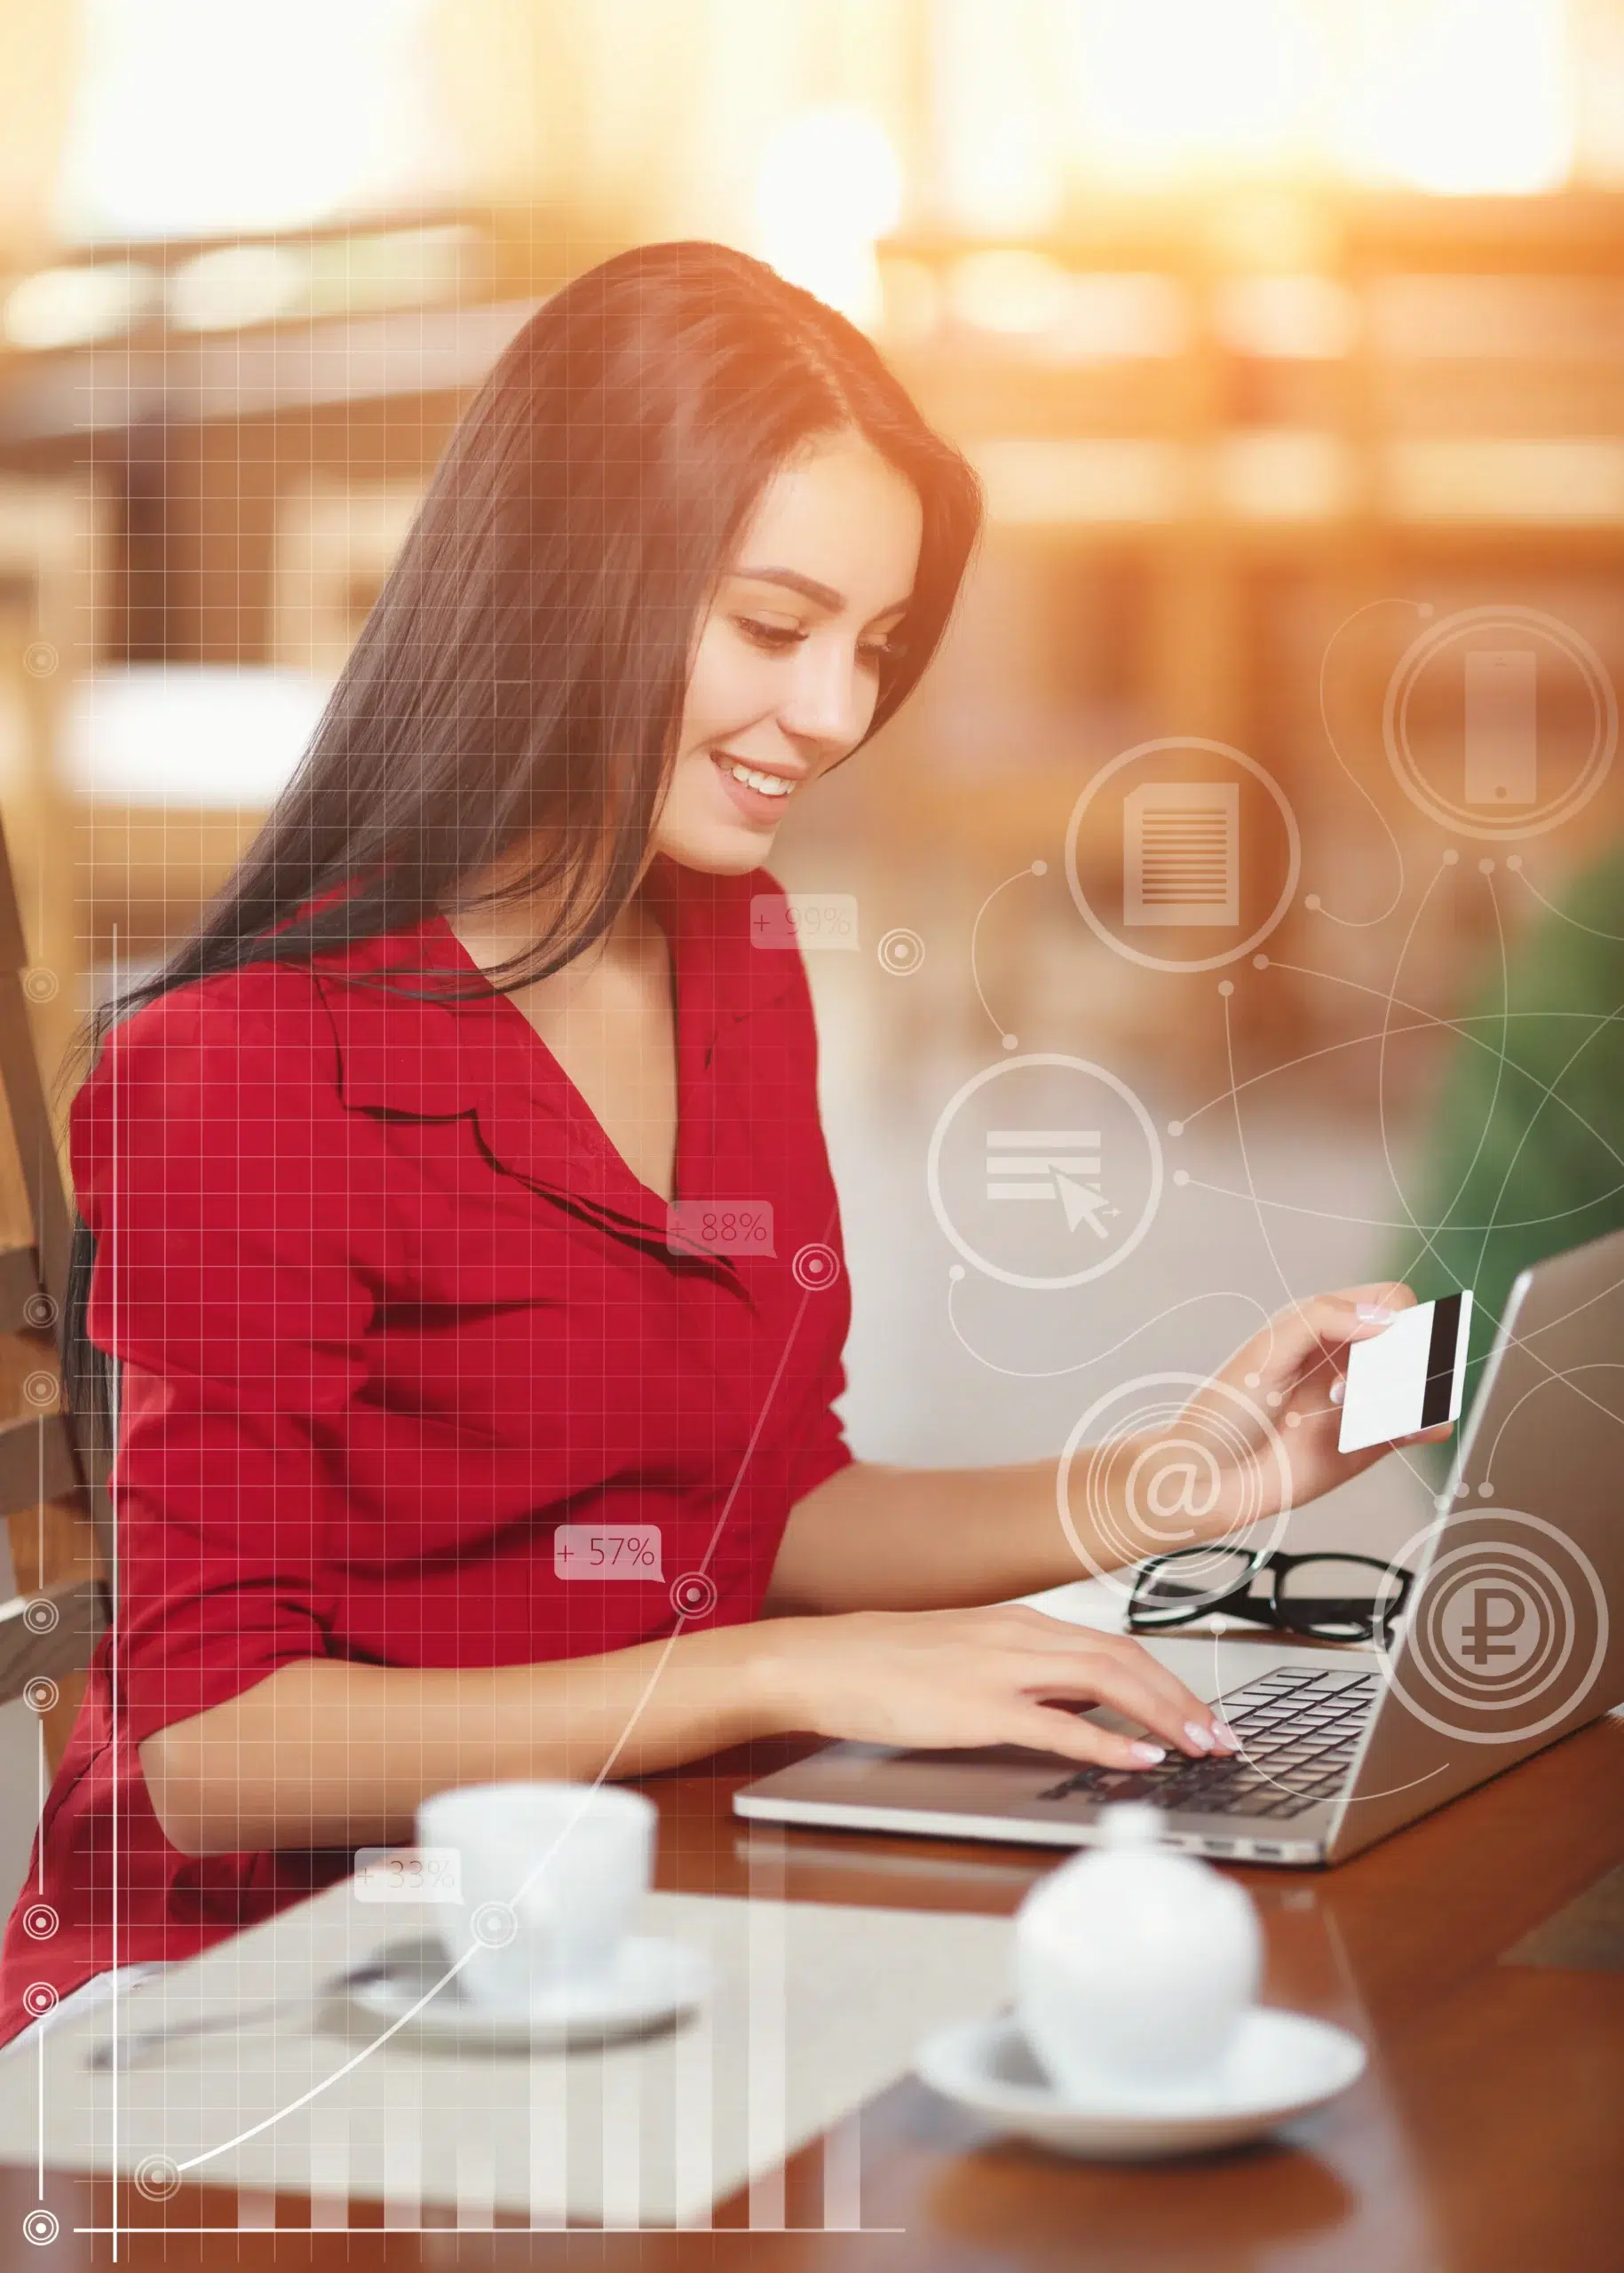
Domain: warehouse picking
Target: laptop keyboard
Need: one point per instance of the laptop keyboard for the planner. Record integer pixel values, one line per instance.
(1297, 1730)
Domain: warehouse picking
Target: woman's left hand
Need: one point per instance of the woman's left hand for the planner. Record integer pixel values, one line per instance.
(1261, 1436)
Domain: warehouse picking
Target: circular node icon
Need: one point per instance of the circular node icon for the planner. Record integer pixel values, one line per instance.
(816, 1266)
(40, 2226)
(1508, 1630)
(39, 1310)
(901, 952)
(1044, 1171)
(41, 1694)
(39, 1997)
(494, 1924)
(39, 1921)
(694, 1595)
(40, 985)
(1492, 694)
(42, 1389)
(1187, 832)
(40, 659)
(41, 1615)
(157, 2177)
(1192, 1446)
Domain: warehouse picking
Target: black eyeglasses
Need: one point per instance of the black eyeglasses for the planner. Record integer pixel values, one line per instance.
(1327, 1597)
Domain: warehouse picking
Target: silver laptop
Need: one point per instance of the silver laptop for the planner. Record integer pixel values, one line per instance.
(1506, 1644)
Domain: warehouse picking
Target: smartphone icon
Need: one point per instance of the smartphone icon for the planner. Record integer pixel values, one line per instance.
(1502, 738)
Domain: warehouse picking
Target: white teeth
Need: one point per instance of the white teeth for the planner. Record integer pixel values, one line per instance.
(771, 785)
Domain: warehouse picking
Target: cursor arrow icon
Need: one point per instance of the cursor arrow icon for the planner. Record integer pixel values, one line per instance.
(1081, 1200)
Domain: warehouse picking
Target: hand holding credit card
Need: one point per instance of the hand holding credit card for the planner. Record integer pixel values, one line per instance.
(1408, 1378)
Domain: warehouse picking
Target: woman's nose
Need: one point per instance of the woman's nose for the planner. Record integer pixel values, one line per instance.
(830, 703)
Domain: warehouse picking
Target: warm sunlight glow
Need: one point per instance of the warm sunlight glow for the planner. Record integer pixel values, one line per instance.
(1471, 96)
(195, 118)
(1167, 88)
(1002, 137)
(1449, 96)
(828, 186)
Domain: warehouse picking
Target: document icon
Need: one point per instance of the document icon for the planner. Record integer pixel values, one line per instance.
(1181, 852)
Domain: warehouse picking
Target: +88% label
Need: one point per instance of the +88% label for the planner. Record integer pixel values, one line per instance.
(719, 1227)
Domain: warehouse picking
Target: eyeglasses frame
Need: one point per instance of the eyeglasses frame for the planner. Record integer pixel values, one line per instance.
(1239, 1602)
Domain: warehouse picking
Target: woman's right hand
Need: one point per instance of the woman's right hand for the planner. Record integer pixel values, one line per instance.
(941, 1678)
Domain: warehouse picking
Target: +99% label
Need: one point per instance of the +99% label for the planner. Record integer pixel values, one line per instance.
(804, 919)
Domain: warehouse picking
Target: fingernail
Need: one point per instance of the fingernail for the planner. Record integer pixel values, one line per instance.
(1147, 1755)
(1373, 1313)
(1226, 1736)
(1202, 1739)
(1338, 1391)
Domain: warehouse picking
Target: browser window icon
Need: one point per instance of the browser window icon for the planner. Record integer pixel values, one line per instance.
(1043, 1164)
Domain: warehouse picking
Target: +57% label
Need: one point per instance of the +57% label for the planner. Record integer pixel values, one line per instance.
(606, 1551)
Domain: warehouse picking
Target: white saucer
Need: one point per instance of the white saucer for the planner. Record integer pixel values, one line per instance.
(654, 1982)
(1280, 2065)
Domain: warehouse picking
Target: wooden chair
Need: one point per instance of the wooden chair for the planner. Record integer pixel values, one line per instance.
(53, 1474)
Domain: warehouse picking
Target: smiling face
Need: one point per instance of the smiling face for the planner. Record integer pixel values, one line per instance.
(785, 673)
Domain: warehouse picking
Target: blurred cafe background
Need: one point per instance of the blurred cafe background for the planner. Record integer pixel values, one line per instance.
(1282, 332)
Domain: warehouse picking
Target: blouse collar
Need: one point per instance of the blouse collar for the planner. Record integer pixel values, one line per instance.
(405, 1050)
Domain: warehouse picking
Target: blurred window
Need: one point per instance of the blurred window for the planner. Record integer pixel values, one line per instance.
(195, 119)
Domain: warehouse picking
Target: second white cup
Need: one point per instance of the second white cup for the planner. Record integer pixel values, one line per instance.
(1133, 1966)
(551, 1877)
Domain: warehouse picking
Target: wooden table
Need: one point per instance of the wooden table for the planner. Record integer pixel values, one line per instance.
(1487, 2134)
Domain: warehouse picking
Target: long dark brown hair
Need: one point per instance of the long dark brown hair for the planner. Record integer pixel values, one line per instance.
(518, 685)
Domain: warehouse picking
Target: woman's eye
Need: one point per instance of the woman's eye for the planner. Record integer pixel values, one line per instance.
(776, 636)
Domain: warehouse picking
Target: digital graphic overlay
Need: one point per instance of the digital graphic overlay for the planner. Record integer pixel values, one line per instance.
(1162, 840)
(1201, 1457)
(1033, 1202)
(1508, 1631)
(1492, 768)
(804, 920)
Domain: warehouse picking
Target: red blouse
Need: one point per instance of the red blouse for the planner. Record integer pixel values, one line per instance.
(390, 1309)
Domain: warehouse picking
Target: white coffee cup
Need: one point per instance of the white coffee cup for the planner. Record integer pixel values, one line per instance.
(551, 1877)
(1133, 1966)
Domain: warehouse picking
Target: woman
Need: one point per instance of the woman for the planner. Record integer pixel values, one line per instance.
(379, 1173)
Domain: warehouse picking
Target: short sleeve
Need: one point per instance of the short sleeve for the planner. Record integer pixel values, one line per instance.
(210, 1161)
(823, 1450)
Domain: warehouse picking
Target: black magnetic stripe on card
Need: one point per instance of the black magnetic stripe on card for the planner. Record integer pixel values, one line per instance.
(1438, 1394)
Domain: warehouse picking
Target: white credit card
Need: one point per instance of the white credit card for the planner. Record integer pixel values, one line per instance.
(1408, 1377)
